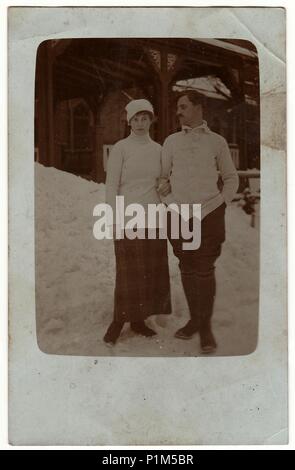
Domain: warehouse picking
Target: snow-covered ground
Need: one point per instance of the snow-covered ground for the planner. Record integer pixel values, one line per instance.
(75, 280)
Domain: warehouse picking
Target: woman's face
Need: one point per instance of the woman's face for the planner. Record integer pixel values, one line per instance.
(141, 123)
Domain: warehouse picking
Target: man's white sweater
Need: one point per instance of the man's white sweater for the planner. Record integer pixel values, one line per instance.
(193, 160)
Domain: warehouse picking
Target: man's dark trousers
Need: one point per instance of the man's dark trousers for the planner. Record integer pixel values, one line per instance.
(197, 267)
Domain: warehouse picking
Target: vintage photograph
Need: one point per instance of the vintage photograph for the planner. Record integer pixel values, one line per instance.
(130, 132)
(147, 226)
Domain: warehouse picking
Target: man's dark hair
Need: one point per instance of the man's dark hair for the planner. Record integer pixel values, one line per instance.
(193, 96)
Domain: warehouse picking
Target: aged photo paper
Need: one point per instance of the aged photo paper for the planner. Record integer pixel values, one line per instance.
(147, 226)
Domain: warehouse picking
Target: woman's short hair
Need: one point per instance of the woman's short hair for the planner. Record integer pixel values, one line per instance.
(148, 113)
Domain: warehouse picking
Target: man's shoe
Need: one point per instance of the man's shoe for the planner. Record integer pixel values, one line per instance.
(142, 329)
(113, 332)
(188, 331)
(208, 342)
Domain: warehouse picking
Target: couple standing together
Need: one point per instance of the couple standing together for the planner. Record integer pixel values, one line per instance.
(188, 166)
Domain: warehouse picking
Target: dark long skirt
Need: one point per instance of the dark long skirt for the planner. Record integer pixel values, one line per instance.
(142, 279)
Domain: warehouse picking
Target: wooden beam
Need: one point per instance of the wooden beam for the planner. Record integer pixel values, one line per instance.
(110, 68)
(79, 71)
(70, 79)
(92, 75)
(124, 67)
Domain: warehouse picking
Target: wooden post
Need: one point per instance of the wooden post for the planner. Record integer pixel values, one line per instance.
(40, 103)
(98, 150)
(50, 105)
(164, 95)
(44, 95)
(158, 59)
(163, 118)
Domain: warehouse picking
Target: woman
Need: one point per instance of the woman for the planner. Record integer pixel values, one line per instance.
(142, 276)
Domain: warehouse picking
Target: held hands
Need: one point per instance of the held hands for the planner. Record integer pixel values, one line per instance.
(164, 187)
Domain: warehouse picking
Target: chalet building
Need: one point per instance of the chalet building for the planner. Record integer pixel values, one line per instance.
(83, 86)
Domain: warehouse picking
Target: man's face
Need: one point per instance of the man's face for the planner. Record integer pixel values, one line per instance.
(188, 113)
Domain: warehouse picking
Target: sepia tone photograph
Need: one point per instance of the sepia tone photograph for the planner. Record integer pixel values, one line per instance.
(166, 123)
(147, 226)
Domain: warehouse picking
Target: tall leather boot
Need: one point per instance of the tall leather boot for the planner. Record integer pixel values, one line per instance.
(190, 287)
(113, 332)
(207, 289)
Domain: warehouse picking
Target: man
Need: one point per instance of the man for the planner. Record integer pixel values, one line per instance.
(191, 160)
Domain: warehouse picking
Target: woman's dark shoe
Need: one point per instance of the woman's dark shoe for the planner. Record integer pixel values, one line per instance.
(142, 329)
(188, 331)
(113, 332)
(208, 342)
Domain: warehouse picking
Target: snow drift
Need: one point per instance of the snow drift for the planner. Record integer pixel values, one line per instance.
(75, 276)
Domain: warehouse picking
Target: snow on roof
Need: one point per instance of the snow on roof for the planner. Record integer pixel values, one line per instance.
(209, 86)
(229, 47)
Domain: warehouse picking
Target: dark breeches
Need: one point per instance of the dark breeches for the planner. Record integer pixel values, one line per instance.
(197, 266)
